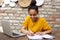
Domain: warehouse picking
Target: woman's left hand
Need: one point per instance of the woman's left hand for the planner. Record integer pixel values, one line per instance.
(40, 33)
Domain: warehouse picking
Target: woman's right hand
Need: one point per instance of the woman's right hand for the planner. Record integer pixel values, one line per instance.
(30, 33)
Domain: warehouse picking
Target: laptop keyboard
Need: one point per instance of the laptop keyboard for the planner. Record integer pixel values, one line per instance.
(15, 34)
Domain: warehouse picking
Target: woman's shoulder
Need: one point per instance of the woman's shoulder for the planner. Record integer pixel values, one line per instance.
(41, 18)
(27, 17)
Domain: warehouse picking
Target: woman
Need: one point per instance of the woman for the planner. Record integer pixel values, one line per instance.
(34, 24)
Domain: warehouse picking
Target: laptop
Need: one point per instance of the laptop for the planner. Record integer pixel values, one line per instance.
(7, 30)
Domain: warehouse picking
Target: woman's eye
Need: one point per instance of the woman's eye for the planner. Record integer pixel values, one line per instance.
(32, 14)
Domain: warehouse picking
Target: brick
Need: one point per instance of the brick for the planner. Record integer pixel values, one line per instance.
(26, 12)
(10, 11)
(20, 18)
(3, 14)
(10, 24)
(10, 14)
(40, 8)
(21, 21)
(0, 24)
(57, 19)
(43, 12)
(23, 15)
(6, 17)
(41, 15)
(47, 6)
(56, 22)
(57, 4)
(25, 9)
(50, 10)
(46, 16)
(17, 15)
(13, 20)
(12, 17)
(58, 7)
(57, 0)
(56, 25)
(50, 13)
(1, 18)
(17, 8)
(50, 19)
(20, 12)
(1, 11)
(4, 8)
(55, 16)
(56, 12)
(48, 0)
(15, 24)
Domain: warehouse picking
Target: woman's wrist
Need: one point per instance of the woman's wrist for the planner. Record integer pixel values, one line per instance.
(47, 32)
(44, 33)
(26, 32)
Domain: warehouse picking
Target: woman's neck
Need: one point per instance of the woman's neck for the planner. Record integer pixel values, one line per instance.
(36, 19)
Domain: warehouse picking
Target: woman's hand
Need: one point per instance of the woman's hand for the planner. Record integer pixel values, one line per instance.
(40, 33)
(30, 33)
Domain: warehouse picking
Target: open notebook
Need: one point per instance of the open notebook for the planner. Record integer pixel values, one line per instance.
(40, 36)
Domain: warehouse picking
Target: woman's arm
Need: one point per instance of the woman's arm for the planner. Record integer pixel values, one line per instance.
(23, 29)
(45, 32)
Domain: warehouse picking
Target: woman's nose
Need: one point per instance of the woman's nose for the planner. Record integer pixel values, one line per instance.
(32, 16)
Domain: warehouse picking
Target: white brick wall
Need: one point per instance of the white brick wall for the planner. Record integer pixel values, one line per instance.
(49, 10)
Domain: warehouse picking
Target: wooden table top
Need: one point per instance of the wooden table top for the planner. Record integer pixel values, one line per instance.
(55, 32)
(6, 37)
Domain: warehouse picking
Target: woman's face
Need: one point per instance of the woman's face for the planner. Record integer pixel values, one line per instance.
(33, 14)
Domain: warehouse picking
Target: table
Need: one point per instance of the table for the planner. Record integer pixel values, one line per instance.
(6, 37)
